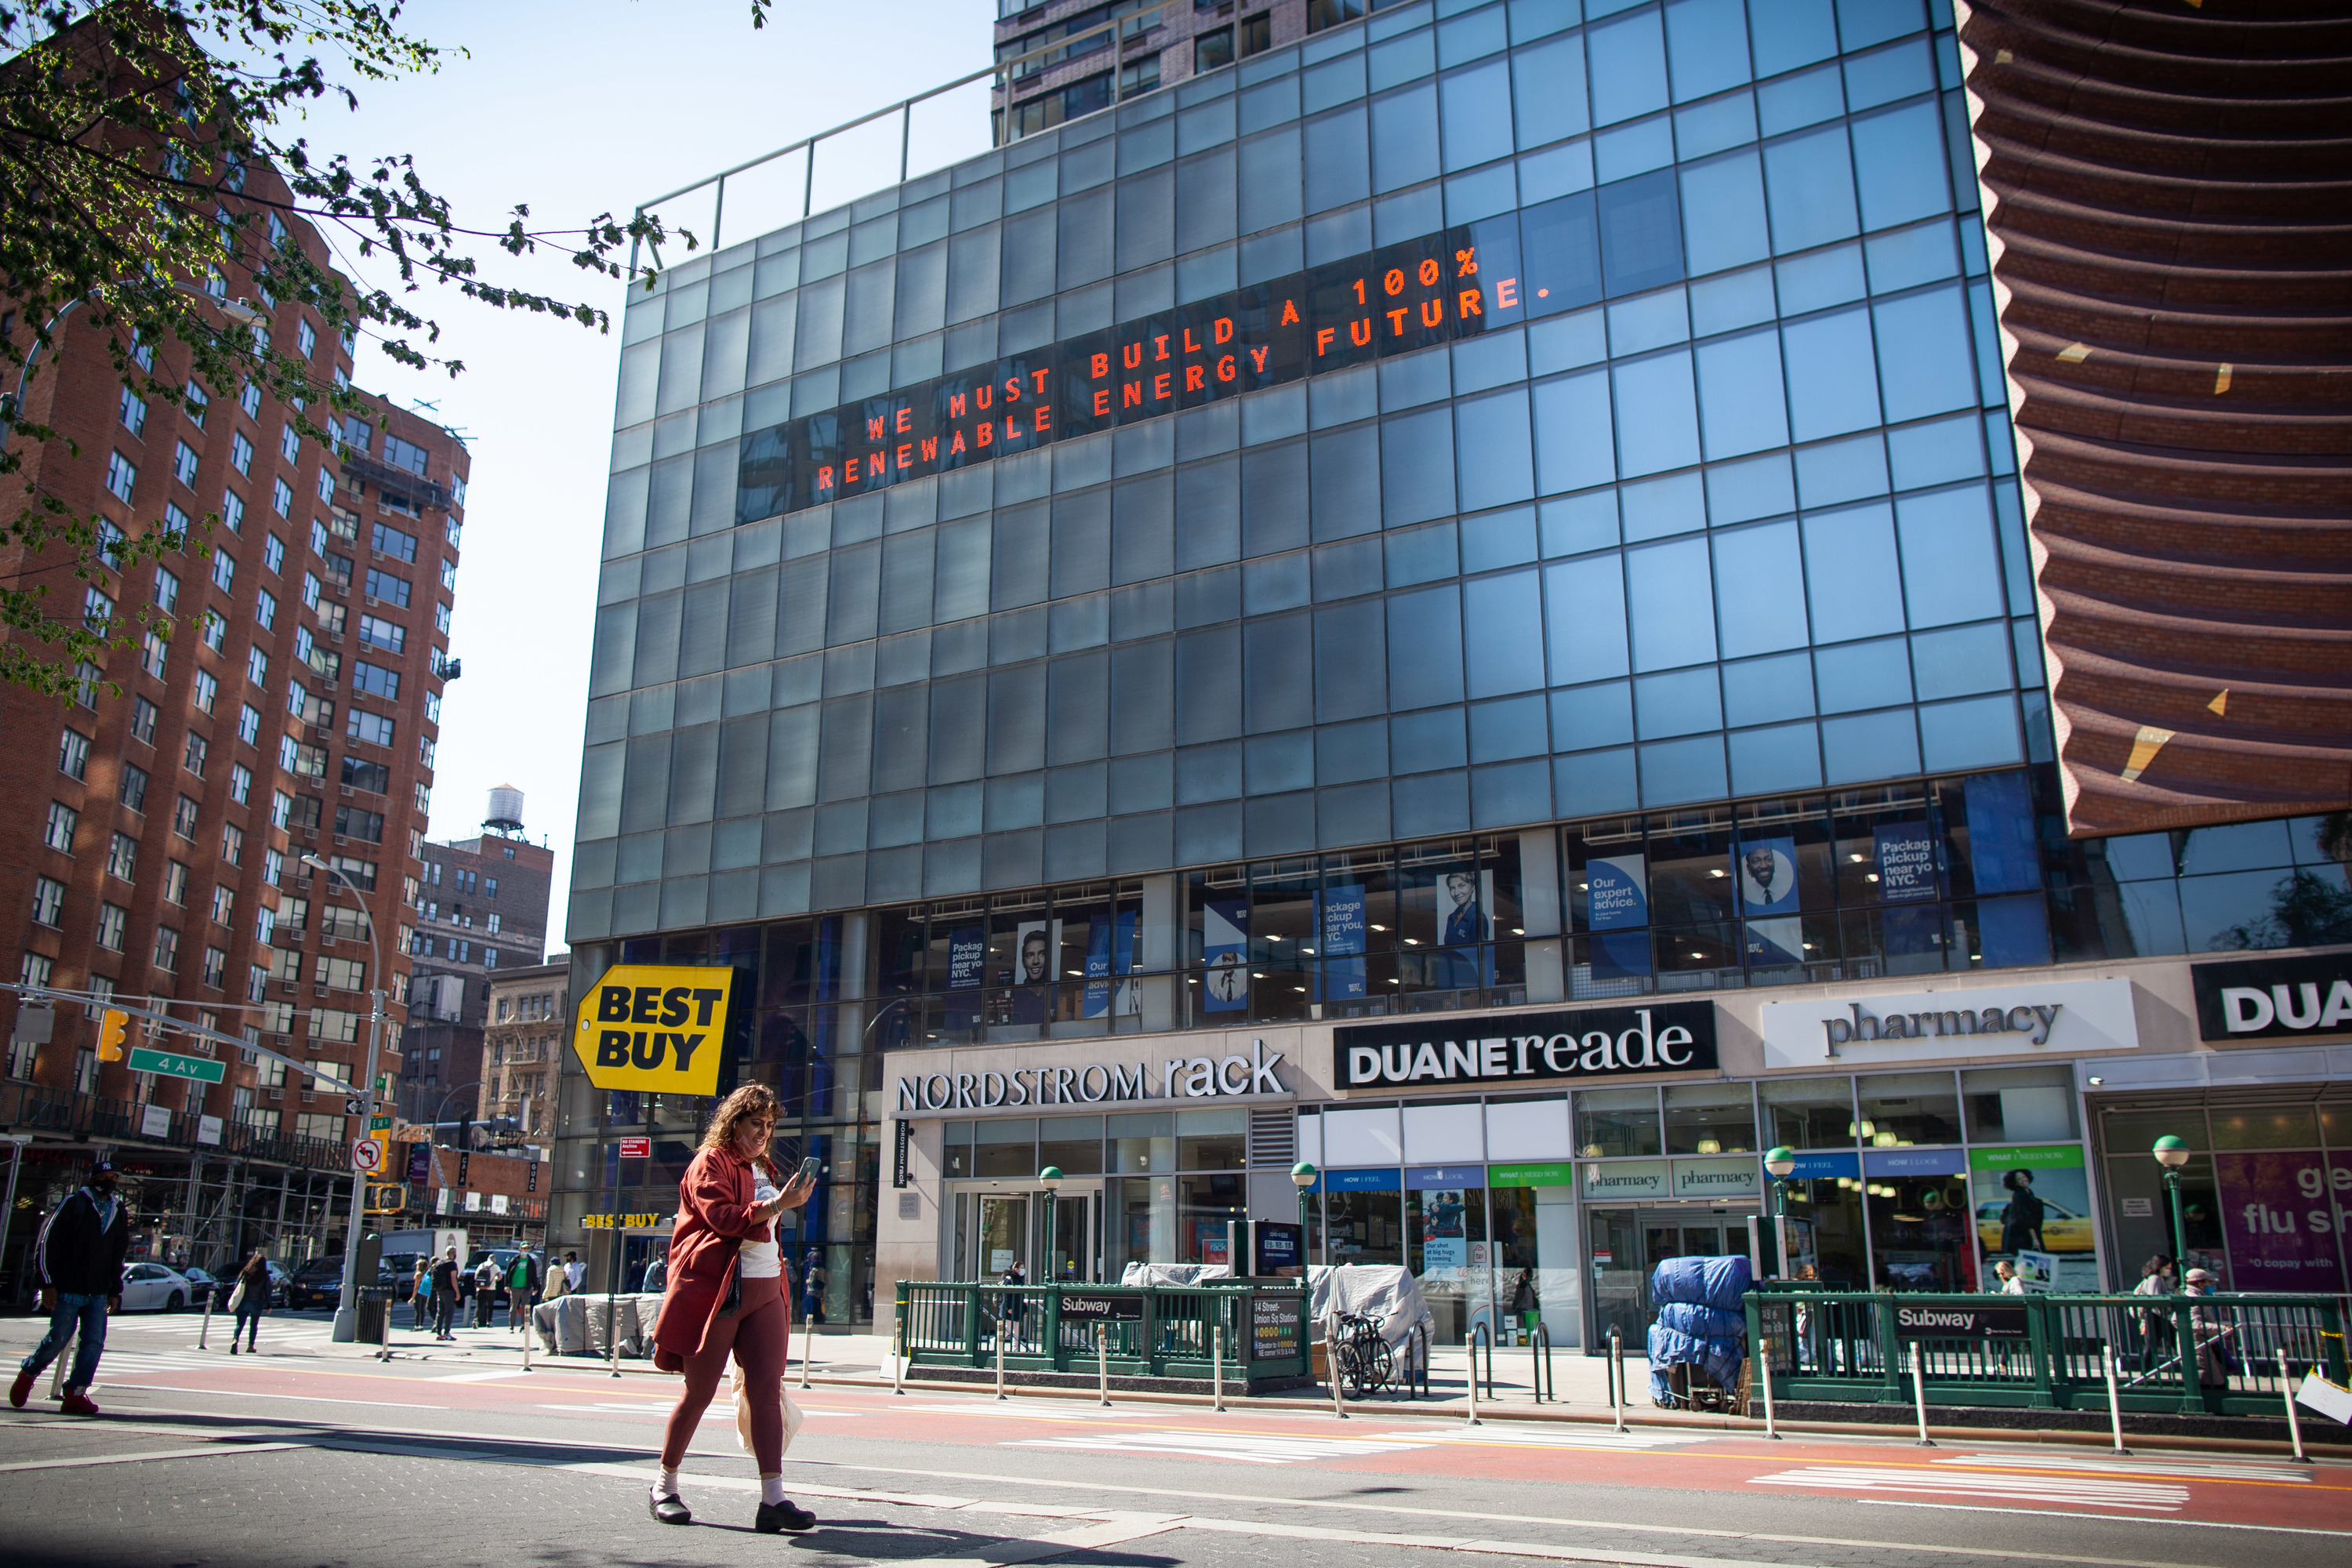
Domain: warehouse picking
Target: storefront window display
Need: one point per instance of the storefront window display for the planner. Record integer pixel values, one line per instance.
(2266, 1202)
(1808, 1112)
(1364, 1212)
(1531, 1217)
(1611, 1122)
(1447, 1247)
(1825, 1194)
(1905, 1109)
(1710, 1119)
(2032, 1211)
(1919, 1237)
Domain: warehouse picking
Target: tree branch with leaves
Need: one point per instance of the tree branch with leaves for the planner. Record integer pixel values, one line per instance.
(147, 180)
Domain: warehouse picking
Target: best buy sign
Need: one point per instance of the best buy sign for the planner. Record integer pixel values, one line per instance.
(657, 1027)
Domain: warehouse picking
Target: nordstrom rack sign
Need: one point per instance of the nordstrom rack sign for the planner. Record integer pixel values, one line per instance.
(1095, 1083)
(2062, 1019)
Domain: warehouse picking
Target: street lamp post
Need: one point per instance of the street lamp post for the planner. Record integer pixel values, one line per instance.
(347, 1307)
(1781, 1162)
(1050, 1178)
(1302, 1176)
(2172, 1153)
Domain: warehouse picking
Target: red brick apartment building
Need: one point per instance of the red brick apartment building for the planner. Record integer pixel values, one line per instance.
(151, 842)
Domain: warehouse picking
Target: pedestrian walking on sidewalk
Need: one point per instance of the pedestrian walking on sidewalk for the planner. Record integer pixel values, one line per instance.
(78, 1257)
(728, 1291)
(522, 1287)
(813, 1288)
(445, 1294)
(250, 1303)
(657, 1277)
(420, 1293)
(486, 1286)
(572, 1271)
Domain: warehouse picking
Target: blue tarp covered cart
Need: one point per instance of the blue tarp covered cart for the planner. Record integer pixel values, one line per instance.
(1699, 1339)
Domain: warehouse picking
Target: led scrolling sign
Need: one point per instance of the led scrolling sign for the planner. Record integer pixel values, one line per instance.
(1411, 295)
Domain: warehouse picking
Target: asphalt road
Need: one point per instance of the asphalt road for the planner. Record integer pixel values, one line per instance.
(306, 1455)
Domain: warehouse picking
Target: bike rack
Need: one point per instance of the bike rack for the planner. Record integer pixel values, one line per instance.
(1539, 1372)
(1416, 1376)
(1478, 1330)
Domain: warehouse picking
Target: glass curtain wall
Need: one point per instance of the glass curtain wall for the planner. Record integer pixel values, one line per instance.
(2265, 1200)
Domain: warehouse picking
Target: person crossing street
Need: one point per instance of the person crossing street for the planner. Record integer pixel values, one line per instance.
(78, 1258)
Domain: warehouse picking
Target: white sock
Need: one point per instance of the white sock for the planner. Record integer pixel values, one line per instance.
(667, 1484)
(772, 1490)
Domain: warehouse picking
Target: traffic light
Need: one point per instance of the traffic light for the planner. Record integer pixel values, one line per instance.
(113, 1025)
(386, 1197)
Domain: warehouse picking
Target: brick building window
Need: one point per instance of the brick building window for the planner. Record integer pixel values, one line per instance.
(184, 818)
(58, 831)
(111, 920)
(175, 882)
(132, 791)
(215, 966)
(121, 477)
(167, 947)
(73, 753)
(143, 714)
(48, 902)
(123, 857)
(132, 412)
(240, 453)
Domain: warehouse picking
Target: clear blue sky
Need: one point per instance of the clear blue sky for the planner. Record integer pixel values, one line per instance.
(578, 109)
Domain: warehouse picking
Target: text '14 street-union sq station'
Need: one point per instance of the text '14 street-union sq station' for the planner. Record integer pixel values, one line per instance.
(1521, 603)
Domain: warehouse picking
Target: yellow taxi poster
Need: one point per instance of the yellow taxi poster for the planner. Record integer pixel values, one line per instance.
(658, 1027)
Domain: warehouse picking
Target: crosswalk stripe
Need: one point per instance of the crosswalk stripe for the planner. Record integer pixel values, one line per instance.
(1250, 1447)
(2084, 1492)
(2153, 1469)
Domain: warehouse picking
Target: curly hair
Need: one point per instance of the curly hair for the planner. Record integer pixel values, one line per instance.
(751, 1100)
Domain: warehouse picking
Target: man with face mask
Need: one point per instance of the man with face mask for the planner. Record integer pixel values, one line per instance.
(79, 1257)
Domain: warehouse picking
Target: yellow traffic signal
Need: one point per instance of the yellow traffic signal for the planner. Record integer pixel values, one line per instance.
(111, 1027)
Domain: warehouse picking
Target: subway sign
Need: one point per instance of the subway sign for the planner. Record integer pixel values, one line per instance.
(655, 1027)
(1589, 1042)
(1403, 297)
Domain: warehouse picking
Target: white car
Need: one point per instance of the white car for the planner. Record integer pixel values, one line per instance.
(151, 1288)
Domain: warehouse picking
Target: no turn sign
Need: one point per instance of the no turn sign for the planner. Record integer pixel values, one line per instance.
(367, 1157)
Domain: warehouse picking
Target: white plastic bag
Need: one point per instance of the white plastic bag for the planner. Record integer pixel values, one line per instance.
(792, 1417)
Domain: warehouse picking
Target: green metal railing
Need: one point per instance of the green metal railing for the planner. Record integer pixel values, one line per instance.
(1159, 1330)
(2175, 1355)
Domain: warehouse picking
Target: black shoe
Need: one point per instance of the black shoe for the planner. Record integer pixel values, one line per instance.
(669, 1510)
(784, 1515)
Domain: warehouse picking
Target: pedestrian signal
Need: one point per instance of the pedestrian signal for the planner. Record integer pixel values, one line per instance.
(112, 1025)
(386, 1197)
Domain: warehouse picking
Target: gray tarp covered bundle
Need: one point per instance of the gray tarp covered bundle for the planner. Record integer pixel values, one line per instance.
(1173, 1273)
(1383, 1292)
(575, 1325)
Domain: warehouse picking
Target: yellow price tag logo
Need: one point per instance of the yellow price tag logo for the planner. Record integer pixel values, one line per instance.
(657, 1027)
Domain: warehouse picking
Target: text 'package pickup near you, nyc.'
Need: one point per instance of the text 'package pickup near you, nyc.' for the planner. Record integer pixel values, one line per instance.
(655, 1027)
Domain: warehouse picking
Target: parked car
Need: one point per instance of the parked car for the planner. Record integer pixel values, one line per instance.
(318, 1283)
(201, 1286)
(151, 1288)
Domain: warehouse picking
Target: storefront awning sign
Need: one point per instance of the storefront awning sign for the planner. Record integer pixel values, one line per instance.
(1913, 1162)
(2060, 1019)
(2052, 1157)
(655, 1027)
(1545, 1173)
(1422, 1178)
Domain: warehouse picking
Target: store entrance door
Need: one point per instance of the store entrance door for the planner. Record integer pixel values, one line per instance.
(1625, 1246)
(994, 1230)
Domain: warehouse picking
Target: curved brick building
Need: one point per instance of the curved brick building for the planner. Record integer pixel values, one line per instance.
(2170, 219)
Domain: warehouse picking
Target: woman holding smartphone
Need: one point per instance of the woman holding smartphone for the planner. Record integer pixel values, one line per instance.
(727, 1295)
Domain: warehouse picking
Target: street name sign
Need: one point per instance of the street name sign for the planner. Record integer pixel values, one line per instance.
(170, 1063)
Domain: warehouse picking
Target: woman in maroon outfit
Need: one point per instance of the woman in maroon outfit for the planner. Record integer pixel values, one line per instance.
(727, 1208)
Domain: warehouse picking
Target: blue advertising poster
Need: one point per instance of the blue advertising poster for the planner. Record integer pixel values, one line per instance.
(1907, 862)
(1776, 942)
(967, 962)
(1617, 894)
(1224, 953)
(1342, 932)
(1098, 998)
(1620, 955)
(1767, 876)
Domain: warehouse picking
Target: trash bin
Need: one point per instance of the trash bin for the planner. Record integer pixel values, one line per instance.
(376, 1314)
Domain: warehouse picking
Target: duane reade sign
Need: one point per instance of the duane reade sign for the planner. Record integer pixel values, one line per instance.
(2060, 1019)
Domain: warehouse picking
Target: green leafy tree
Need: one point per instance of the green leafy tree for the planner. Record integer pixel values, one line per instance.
(2308, 909)
(130, 133)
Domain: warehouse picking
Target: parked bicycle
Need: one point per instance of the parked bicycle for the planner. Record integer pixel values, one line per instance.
(1360, 1356)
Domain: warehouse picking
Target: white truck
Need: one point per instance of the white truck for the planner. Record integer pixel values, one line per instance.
(402, 1247)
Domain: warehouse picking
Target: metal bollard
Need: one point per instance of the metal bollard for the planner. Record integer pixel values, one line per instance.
(2294, 1421)
(1617, 1378)
(1102, 1362)
(1539, 1377)
(2115, 1399)
(529, 1333)
(1919, 1393)
(898, 1362)
(206, 1327)
(1764, 1368)
(1000, 1358)
(65, 1359)
(1331, 1359)
(1475, 1330)
(1217, 1363)
(808, 1343)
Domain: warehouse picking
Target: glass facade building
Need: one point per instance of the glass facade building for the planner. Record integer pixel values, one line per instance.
(1489, 506)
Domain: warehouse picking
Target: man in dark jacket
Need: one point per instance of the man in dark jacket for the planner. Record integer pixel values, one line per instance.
(79, 1257)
